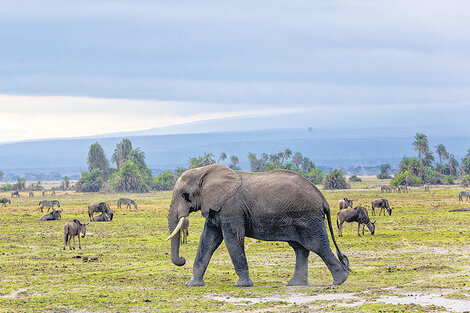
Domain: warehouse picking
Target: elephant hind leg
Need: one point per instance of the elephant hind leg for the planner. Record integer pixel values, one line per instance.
(300, 277)
(320, 245)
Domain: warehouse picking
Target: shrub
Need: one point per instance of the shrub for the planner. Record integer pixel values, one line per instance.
(335, 180)
(400, 179)
(449, 179)
(355, 179)
(466, 181)
(315, 176)
(164, 181)
(90, 181)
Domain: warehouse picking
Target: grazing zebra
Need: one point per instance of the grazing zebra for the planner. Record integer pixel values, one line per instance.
(31, 194)
(127, 202)
(49, 204)
(4, 201)
(15, 194)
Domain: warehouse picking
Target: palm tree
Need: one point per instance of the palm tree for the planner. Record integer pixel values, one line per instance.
(208, 159)
(297, 160)
(222, 157)
(287, 154)
(96, 158)
(234, 161)
(442, 152)
(453, 165)
(121, 153)
(468, 154)
(421, 144)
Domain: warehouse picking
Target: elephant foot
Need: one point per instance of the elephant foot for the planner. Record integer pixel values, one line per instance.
(340, 278)
(195, 282)
(297, 282)
(244, 283)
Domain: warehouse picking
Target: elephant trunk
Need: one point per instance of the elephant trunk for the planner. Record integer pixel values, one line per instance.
(175, 251)
(173, 224)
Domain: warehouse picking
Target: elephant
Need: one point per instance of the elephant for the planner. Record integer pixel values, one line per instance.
(278, 205)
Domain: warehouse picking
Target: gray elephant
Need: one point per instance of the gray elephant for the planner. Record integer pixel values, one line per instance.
(278, 205)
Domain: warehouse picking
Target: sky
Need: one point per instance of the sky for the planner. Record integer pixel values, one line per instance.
(71, 69)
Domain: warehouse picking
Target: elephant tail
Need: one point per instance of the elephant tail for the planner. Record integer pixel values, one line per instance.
(342, 258)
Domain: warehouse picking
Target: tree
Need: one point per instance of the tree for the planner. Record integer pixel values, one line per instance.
(384, 168)
(233, 162)
(442, 152)
(121, 153)
(465, 166)
(96, 158)
(164, 181)
(90, 181)
(1, 175)
(206, 159)
(66, 183)
(421, 144)
(453, 165)
(131, 179)
(307, 165)
(222, 157)
(297, 160)
(335, 180)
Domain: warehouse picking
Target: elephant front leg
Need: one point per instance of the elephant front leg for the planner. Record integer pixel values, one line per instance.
(235, 242)
(300, 277)
(211, 238)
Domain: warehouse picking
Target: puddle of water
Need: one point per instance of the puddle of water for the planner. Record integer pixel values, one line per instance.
(430, 299)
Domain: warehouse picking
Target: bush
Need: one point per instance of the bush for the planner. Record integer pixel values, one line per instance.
(335, 180)
(466, 181)
(90, 181)
(315, 176)
(355, 179)
(164, 181)
(449, 179)
(400, 179)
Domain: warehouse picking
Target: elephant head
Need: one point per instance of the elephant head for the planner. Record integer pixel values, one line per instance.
(205, 188)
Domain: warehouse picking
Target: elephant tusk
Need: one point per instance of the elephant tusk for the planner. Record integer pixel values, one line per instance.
(177, 229)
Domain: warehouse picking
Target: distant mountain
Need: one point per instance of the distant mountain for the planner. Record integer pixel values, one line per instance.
(344, 148)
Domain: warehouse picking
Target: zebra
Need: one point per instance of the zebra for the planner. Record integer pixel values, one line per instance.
(15, 194)
(126, 201)
(49, 204)
(31, 194)
(4, 201)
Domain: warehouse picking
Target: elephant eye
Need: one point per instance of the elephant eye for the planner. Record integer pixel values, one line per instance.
(186, 196)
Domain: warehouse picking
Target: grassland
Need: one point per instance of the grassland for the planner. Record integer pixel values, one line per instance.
(421, 250)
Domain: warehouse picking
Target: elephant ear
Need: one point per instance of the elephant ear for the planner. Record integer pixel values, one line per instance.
(218, 184)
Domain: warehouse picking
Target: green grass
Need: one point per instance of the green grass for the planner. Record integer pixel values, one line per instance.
(422, 247)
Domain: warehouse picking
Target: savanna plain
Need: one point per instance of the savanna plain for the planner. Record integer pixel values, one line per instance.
(418, 260)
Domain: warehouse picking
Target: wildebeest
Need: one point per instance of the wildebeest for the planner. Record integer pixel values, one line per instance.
(49, 204)
(359, 215)
(103, 217)
(72, 229)
(30, 194)
(43, 192)
(127, 202)
(54, 215)
(383, 205)
(345, 203)
(426, 187)
(15, 194)
(4, 201)
(464, 194)
(102, 207)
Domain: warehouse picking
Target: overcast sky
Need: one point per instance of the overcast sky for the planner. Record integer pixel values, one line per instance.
(90, 67)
